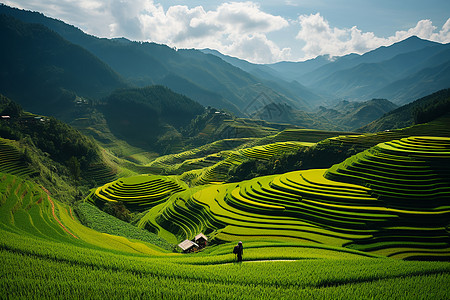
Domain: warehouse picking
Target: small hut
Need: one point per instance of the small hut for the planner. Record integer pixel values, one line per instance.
(188, 246)
(201, 240)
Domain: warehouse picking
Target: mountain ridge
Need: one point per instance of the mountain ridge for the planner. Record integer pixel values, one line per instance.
(149, 63)
(55, 70)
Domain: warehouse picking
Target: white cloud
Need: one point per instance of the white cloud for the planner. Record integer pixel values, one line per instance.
(226, 29)
(234, 28)
(320, 38)
(240, 29)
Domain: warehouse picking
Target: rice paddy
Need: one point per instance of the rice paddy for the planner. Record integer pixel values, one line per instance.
(46, 253)
(391, 199)
(139, 192)
(11, 160)
(320, 233)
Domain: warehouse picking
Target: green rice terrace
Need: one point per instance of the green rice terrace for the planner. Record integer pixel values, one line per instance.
(375, 225)
(391, 200)
(47, 253)
(132, 169)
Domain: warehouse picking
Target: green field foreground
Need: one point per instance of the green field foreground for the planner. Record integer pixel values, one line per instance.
(47, 254)
(338, 233)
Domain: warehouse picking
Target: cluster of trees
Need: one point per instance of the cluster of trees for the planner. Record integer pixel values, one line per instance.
(321, 156)
(118, 210)
(434, 108)
(54, 138)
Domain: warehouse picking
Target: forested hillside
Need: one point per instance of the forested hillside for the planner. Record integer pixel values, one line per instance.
(44, 72)
(421, 110)
(148, 116)
(51, 152)
(193, 72)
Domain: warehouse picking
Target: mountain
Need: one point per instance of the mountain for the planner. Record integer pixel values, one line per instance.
(401, 72)
(273, 79)
(255, 69)
(150, 117)
(283, 113)
(295, 70)
(203, 96)
(149, 63)
(422, 110)
(353, 115)
(375, 79)
(375, 56)
(45, 72)
(355, 83)
(345, 115)
(417, 85)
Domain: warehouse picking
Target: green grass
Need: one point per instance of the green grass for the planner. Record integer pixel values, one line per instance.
(100, 221)
(41, 260)
(56, 270)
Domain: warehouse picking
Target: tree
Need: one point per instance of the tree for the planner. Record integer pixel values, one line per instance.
(118, 210)
(74, 167)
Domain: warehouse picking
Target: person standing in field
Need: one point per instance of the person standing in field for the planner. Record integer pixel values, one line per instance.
(239, 250)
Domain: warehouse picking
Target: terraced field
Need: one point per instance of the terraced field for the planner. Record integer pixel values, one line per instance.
(218, 173)
(412, 177)
(11, 160)
(306, 135)
(100, 173)
(393, 199)
(28, 214)
(138, 192)
(46, 253)
(439, 128)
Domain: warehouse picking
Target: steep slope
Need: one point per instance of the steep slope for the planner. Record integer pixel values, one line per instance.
(51, 153)
(296, 70)
(355, 83)
(44, 72)
(273, 78)
(408, 114)
(150, 117)
(422, 83)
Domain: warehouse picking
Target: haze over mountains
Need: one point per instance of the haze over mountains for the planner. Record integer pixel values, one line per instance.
(59, 63)
(392, 72)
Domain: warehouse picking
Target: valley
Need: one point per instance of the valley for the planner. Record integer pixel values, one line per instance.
(333, 173)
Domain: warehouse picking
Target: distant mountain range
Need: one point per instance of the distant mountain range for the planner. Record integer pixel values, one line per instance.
(345, 115)
(206, 78)
(402, 72)
(47, 64)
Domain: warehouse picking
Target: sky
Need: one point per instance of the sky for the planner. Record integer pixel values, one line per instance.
(257, 31)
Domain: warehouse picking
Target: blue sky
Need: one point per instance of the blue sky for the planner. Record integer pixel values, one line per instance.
(258, 31)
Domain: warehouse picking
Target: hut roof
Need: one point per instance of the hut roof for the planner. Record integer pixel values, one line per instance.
(200, 236)
(186, 245)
